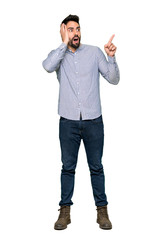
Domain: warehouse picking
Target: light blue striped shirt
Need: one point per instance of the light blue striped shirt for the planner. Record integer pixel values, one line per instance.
(78, 75)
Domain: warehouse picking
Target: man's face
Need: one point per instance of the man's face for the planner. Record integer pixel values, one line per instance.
(74, 34)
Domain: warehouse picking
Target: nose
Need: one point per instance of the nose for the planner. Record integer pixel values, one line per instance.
(76, 32)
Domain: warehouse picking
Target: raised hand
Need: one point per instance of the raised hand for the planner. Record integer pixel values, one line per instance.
(110, 48)
(64, 33)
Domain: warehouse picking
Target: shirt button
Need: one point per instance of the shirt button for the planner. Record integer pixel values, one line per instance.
(75, 62)
(77, 82)
(76, 72)
(78, 93)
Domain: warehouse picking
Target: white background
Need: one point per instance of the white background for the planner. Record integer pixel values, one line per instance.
(30, 162)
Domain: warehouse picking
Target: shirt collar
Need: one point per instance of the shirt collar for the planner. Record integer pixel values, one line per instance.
(80, 48)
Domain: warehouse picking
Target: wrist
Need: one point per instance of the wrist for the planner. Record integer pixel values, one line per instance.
(66, 42)
(111, 55)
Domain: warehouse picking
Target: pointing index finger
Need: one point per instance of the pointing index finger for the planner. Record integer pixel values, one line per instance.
(110, 40)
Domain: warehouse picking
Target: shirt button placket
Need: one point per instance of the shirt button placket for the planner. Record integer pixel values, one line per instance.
(77, 80)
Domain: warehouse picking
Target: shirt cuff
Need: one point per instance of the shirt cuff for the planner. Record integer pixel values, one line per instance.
(111, 59)
(63, 46)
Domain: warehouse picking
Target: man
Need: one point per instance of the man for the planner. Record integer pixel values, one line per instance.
(78, 67)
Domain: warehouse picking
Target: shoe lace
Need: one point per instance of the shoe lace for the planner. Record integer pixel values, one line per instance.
(103, 211)
(62, 212)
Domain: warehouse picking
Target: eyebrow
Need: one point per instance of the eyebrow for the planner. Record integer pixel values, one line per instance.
(73, 28)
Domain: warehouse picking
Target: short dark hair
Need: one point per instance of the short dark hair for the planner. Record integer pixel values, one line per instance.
(74, 18)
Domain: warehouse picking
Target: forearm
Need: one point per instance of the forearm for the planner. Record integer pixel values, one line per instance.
(113, 75)
(109, 69)
(52, 62)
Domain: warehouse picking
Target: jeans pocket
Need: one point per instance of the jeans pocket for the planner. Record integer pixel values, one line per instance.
(62, 119)
(97, 120)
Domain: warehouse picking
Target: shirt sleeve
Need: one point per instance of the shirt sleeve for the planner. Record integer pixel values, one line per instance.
(52, 62)
(108, 69)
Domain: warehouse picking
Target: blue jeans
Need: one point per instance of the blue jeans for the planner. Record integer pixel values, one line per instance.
(70, 134)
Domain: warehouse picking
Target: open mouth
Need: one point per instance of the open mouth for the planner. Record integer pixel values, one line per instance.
(76, 39)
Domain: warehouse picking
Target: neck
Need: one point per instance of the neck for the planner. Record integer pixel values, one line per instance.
(73, 49)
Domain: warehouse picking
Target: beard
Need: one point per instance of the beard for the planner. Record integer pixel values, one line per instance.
(74, 44)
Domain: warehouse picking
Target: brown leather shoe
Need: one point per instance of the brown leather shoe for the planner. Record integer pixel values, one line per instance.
(103, 219)
(63, 219)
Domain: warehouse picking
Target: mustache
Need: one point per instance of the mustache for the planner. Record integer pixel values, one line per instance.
(76, 36)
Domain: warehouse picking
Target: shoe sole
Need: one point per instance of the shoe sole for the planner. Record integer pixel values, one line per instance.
(105, 228)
